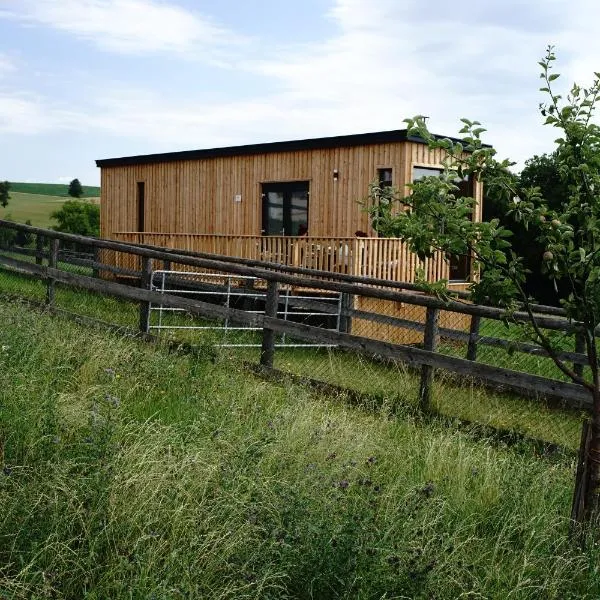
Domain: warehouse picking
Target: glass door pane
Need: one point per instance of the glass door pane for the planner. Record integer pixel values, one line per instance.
(274, 212)
(298, 213)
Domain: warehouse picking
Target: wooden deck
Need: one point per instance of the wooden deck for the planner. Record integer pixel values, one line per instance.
(379, 258)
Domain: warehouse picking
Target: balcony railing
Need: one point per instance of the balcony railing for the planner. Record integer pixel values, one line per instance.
(380, 258)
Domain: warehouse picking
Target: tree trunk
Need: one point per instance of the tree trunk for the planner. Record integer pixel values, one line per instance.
(586, 498)
(592, 492)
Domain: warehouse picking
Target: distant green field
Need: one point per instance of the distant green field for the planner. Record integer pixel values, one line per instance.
(33, 206)
(52, 189)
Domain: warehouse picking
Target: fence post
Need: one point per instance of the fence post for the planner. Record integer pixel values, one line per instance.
(96, 258)
(473, 335)
(39, 248)
(52, 262)
(145, 281)
(267, 350)
(431, 344)
(580, 349)
(345, 319)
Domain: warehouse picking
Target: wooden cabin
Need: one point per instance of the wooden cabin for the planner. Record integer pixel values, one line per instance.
(296, 202)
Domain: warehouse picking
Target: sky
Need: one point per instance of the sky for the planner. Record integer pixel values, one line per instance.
(87, 79)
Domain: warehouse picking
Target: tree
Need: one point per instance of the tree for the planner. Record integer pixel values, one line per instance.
(542, 172)
(434, 217)
(75, 189)
(4, 193)
(81, 218)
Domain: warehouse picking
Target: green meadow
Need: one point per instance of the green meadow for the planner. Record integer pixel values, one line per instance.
(37, 201)
(134, 470)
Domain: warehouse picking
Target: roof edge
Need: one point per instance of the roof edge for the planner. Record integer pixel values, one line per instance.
(360, 139)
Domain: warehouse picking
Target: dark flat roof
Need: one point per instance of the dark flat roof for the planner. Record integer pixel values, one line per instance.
(339, 141)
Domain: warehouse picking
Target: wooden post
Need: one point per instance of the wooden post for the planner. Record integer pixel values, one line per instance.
(145, 281)
(268, 341)
(97, 253)
(431, 344)
(52, 262)
(345, 319)
(39, 249)
(473, 335)
(580, 349)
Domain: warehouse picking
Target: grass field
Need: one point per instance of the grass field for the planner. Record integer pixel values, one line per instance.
(34, 207)
(132, 471)
(390, 384)
(52, 189)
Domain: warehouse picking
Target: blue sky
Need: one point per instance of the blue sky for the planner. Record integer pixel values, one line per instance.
(87, 79)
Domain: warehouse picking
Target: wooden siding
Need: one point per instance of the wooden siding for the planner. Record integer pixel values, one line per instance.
(197, 196)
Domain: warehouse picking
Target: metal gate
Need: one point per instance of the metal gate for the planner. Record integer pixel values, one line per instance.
(228, 287)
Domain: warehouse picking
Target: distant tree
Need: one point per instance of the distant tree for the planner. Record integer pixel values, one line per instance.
(4, 196)
(75, 189)
(7, 236)
(81, 218)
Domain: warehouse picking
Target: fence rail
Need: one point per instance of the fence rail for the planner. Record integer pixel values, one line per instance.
(55, 258)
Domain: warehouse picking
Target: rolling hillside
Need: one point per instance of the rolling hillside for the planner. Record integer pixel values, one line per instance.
(52, 189)
(37, 201)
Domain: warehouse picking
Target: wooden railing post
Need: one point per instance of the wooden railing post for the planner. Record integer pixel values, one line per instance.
(473, 335)
(267, 350)
(145, 280)
(431, 344)
(52, 263)
(39, 249)
(580, 349)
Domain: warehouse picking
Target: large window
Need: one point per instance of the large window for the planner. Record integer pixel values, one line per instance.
(285, 208)
(460, 266)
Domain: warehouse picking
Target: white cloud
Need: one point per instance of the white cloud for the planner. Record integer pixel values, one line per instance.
(383, 61)
(130, 26)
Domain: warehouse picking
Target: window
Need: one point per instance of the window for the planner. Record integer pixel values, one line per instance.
(385, 177)
(460, 266)
(140, 201)
(285, 208)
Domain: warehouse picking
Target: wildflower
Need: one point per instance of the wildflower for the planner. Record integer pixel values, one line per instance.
(113, 400)
(110, 372)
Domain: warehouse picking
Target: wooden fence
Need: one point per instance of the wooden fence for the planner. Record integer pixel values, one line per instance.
(377, 258)
(45, 263)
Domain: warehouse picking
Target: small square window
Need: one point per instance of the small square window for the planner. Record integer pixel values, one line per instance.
(385, 177)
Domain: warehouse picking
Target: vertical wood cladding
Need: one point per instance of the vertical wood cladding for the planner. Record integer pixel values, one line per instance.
(198, 196)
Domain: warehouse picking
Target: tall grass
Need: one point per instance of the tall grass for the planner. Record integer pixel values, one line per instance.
(129, 471)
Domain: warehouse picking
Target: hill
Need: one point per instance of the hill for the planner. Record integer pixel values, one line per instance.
(35, 207)
(52, 189)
